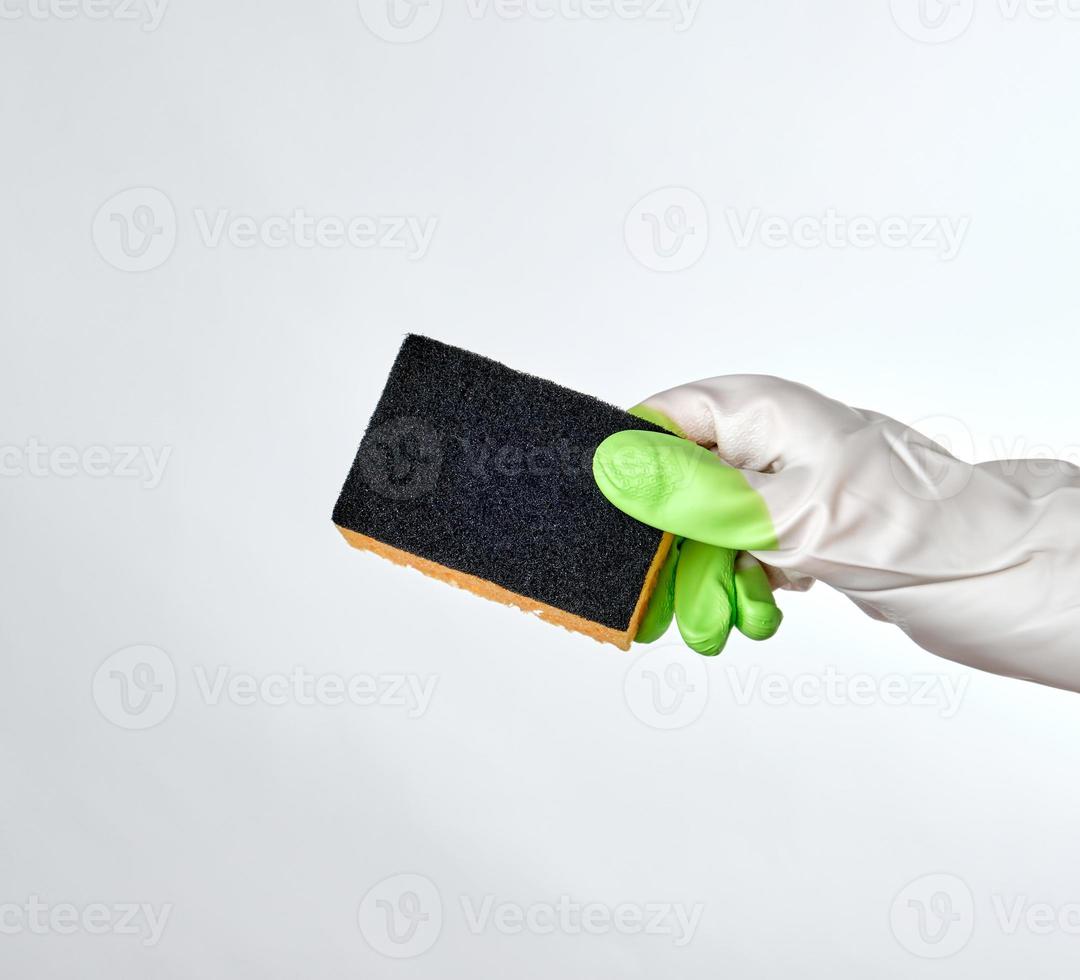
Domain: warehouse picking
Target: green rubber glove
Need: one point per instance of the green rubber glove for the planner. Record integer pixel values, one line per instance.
(673, 484)
(979, 563)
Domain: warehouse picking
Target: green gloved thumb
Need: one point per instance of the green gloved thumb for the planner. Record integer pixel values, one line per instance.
(678, 486)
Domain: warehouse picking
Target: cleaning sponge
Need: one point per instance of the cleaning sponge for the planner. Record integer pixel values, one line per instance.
(482, 476)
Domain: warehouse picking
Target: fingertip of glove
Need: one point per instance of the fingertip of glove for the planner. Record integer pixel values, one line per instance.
(708, 647)
(708, 644)
(640, 466)
(761, 624)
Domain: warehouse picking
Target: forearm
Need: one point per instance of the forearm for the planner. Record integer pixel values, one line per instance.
(988, 577)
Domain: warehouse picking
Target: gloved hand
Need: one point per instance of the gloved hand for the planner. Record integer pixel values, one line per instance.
(976, 563)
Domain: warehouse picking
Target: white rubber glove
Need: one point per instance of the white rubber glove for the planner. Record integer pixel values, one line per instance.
(976, 563)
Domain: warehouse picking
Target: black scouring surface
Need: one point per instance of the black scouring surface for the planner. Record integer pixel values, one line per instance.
(488, 471)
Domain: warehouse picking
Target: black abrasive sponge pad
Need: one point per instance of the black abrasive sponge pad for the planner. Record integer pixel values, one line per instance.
(482, 476)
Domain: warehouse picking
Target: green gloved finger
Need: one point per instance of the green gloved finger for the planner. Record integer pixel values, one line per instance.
(714, 587)
(705, 596)
(661, 608)
(678, 486)
(756, 613)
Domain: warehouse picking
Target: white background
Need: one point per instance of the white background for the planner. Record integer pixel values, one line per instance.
(794, 823)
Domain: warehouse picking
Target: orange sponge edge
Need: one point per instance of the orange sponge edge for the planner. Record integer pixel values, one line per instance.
(489, 590)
